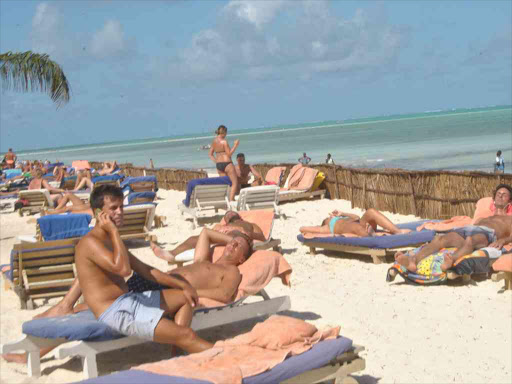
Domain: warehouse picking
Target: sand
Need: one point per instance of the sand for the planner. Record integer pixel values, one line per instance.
(443, 334)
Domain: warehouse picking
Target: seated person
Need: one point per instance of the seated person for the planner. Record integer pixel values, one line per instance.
(217, 281)
(83, 179)
(494, 231)
(243, 171)
(39, 183)
(108, 168)
(340, 223)
(77, 206)
(234, 223)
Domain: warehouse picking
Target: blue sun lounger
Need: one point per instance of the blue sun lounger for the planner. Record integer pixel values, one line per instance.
(378, 247)
(327, 360)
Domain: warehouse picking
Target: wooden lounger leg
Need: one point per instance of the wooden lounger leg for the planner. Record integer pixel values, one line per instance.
(506, 276)
(377, 257)
(312, 250)
(342, 376)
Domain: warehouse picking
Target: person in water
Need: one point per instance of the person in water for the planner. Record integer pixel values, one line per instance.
(340, 223)
(221, 153)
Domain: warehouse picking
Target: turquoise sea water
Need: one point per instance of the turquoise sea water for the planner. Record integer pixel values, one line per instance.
(461, 139)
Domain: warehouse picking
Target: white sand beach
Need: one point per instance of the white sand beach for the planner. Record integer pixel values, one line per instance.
(412, 334)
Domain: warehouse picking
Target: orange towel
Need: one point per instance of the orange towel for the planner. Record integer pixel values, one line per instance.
(504, 263)
(249, 354)
(274, 175)
(256, 273)
(306, 181)
(80, 164)
(295, 175)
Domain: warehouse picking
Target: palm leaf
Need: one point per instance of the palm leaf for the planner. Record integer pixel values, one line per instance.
(28, 72)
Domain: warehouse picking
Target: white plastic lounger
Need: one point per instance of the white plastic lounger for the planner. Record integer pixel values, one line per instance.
(206, 197)
(261, 197)
(204, 318)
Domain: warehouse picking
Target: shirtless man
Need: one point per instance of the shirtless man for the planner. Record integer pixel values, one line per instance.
(243, 171)
(339, 223)
(494, 231)
(233, 223)
(108, 168)
(103, 263)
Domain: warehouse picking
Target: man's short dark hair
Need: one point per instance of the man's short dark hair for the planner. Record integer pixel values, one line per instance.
(98, 195)
(507, 187)
(240, 155)
(249, 241)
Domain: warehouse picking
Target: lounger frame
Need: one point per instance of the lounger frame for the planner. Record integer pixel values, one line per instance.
(284, 197)
(204, 318)
(38, 199)
(206, 197)
(505, 276)
(338, 369)
(138, 222)
(261, 197)
(378, 255)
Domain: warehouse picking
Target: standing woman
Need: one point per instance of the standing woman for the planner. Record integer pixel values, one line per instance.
(222, 158)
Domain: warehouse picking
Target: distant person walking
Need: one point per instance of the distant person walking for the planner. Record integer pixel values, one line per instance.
(499, 165)
(304, 160)
(10, 158)
(329, 159)
(222, 159)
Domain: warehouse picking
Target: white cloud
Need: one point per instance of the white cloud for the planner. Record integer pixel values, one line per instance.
(255, 12)
(46, 30)
(109, 41)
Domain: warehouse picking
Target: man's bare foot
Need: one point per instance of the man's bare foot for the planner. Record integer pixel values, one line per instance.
(19, 358)
(448, 263)
(162, 254)
(405, 261)
(57, 310)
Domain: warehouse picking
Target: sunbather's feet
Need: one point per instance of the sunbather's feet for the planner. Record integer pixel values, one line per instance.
(58, 309)
(405, 261)
(448, 263)
(19, 358)
(162, 254)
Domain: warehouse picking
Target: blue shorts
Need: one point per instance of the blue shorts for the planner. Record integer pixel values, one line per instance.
(134, 314)
(471, 230)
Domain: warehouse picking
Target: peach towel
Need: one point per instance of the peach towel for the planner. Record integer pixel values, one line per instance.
(256, 273)
(80, 164)
(249, 354)
(294, 176)
(504, 263)
(274, 175)
(307, 180)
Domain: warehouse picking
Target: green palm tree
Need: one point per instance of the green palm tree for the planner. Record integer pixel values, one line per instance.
(29, 71)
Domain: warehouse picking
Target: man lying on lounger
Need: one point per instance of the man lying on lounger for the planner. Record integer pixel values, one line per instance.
(494, 231)
(340, 223)
(217, 281)
(234, 224)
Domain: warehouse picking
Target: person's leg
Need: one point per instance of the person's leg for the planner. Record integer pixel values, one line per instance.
(374, 218)
(231, 172)
(63, 202)
(79, 177)
(470, 244)
(85, 182)
(168, 332)
(170, 256)
(315, 229)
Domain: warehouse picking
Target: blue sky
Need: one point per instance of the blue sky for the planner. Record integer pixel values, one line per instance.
(142, 69)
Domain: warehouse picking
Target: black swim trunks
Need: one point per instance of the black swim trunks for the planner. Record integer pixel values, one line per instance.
(222, 165)
(245, 186)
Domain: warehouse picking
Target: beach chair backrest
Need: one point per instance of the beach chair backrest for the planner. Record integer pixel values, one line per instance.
(43, 269)
(210, 196)
(143, 186)
(68, 183)
(137, 220)
(258, 197)
(106, 182)
(38, 199)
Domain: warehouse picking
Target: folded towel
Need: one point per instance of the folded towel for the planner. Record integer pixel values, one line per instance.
(274, 175)
(57, 227)
(224, 180)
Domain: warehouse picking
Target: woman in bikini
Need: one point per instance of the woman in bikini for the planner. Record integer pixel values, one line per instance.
(220, 147)
(340, 223)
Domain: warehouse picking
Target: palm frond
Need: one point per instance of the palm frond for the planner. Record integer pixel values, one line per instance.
(28, 72)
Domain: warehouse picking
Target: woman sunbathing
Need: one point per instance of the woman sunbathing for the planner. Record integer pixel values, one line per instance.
(39, 183)
(340, 223)
(77, 206)
(222, 159)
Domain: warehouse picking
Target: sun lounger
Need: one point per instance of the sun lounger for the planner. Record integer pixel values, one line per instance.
(139, 197)
(96, 337)
(38, 199)
(107, 180)
(262, 197)
(378, 247)
(138, 222)
(503, 268)
(327, 360)
(204, 195)
(41, 270)
(140, 184)
(59, 227)
(299, 184)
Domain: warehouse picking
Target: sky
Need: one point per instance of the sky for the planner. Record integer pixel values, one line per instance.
(145, 69)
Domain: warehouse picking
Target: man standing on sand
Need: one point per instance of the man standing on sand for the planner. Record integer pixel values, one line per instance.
(243, 171)
(494, 231)
(304, 160)
(10, 158)
(103, 263)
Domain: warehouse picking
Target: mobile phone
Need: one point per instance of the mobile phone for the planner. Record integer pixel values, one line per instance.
(97, 211)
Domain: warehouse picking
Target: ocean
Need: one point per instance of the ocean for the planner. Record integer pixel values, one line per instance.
(458, 139)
